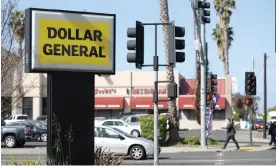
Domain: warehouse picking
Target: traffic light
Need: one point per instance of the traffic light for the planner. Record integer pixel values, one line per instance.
(204, 11)
(172, 90)
(136, 57)
(250, 83)
(213, 82)
(176, 44)
(248, 101)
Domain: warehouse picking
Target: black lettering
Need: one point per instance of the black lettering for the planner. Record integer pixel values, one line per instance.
(74, 50)
(88, 35)
(98, 35)
(93, 52)
(70, 37)
(78, 35)
(47, 49)
(65, 50)
(83, 51)
(62, 33)
(101, 55)
(57, 49)
(53, 34)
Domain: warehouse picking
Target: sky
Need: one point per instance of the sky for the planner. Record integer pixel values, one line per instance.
(253, 23)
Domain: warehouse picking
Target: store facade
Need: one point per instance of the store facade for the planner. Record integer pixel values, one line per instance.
(130, 91)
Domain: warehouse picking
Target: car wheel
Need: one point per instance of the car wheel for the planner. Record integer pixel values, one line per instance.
(21, 143)
(135, 133)
(43, 137)
(137, 152)
(10, 141)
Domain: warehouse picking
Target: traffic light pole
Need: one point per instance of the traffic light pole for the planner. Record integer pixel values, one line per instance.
(265, 101)
(203, 87)
(155, 99)
(155, 93)
(173, 57)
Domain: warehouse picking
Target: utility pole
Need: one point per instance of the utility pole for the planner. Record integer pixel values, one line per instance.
(265, 95)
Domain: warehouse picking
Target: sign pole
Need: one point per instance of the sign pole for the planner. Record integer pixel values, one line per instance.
(70, 105)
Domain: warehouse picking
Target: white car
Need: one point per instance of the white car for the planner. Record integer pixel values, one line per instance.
(19, 117)
(120, 124)
(120, 142)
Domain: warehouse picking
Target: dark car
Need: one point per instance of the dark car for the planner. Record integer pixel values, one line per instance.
(38, 131)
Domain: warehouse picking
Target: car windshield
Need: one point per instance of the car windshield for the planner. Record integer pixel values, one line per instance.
(273, 117)
(124, 118)
(42, 118)
(123, 133)
(38, 124)
(22, 117)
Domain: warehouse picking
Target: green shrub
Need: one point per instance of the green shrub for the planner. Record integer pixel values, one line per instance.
(193, 140)
(211, 141)
(25, 162)
(147, 128)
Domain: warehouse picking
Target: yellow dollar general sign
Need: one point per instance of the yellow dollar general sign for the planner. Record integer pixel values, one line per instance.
(73, 42)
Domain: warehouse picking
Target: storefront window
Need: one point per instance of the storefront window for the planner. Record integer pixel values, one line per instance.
(107, 114)
(6, 107)
(219, 115)
(28, 106)
(188, 114)
(148, 111)
(44, 106)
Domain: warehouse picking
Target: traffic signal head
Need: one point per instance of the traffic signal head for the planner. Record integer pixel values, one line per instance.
(136, 57)
(176, 44)
(250, 83)
(213, 82)
(204, 14)
(248, 101)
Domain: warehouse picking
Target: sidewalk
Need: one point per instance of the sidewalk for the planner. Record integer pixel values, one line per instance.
(230, 147)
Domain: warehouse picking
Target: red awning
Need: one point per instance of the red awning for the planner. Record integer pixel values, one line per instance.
(186, 102)
(146, 103)
(105, 103)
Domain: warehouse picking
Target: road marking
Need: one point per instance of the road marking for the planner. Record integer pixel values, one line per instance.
(248, 149)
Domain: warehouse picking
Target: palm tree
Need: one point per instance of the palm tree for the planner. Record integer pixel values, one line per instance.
(224, 11)
(218, 37)
(17, 24)
(173, 117)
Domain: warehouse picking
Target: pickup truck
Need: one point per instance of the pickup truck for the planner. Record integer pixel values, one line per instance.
(13, 118)
(13, 136)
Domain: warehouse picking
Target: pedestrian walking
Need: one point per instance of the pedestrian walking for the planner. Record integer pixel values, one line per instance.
(231, 132)
(272, 132)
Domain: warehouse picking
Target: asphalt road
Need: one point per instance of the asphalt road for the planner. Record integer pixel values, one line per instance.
(241, 136)
(189, 158)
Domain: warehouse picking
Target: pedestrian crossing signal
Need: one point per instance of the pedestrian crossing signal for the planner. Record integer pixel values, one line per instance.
(248, 101)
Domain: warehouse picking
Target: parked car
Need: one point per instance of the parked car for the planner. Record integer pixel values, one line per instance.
(13, 136)
(120, 124)
(20, 117)
(40, 130)
(122, 143)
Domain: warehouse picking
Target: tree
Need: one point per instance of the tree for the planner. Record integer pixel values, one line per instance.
(224, 11)
(272, 109)
(12, 74)
(173, 117)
